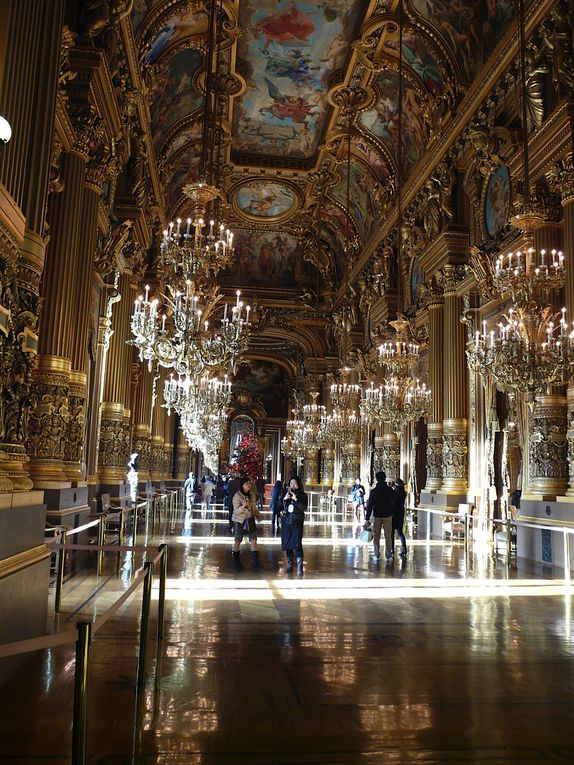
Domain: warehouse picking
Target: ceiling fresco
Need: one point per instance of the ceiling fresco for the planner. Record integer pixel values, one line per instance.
(175, 95)
(269, 259)
(173, 28)
(286, 56)
(266, 382)
(287, 52)
(362, 204)
(471, 28)
(265, 200)
(383, 120)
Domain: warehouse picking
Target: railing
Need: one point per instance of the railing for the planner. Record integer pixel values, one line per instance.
(470, 528)
(86, 631)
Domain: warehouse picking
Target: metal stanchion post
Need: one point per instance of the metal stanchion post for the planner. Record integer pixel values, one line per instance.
(566, 558)
(101, 541)
(60, 573)
(429, 517)
(144, 625)
(162, 586)
(134, 524)
(80, 723)
(508, 540)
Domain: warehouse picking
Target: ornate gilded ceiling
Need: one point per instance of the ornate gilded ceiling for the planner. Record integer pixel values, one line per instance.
(298, 77)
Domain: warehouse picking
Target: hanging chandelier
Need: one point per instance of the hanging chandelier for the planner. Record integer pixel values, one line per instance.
(401, 397)
(529, 349)
(183, 339)
(195, 250)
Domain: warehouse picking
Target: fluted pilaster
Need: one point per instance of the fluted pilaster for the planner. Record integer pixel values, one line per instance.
(182, 457)
(157, 431)
(327, 467)
(141, 441)
(58, 326)
(435, 431)
(455, 426)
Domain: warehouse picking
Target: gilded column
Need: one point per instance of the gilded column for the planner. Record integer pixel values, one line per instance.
(436, 382)
(391, 453)
(548, 469)
(51, 389)
(182, 457)
(74, 442)
(327, 466)
(141, 440)
(455, 437)
(350, 461)
(378, 460)
(312, 467)
(168, 436)
(27, 99)
(157, 430)
(561, 180)
(114, 443)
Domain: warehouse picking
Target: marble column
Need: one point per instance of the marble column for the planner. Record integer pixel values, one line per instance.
(455, 425)
(436, 382)
(114, 443)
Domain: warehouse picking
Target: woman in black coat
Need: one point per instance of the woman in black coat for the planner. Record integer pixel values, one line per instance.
(294, 504)
(275, 505)
(399, 515)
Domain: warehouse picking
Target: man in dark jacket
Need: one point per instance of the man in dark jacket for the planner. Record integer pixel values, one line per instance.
(381, 503)
(275, 505)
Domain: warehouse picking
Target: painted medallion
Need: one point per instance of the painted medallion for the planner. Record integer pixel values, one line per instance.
(265, 199)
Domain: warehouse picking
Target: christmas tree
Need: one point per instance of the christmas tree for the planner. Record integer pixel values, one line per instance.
(247, 458)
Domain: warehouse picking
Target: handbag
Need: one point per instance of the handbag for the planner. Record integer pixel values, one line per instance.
(366, 535)
(248, 525)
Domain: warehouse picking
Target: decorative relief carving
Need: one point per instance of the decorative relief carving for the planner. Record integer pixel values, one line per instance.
(114, 446)
(455, 456)
(434, 459)
(560, 177)
(50, 418)
(391, 460)
(76, 428)
(548, 444)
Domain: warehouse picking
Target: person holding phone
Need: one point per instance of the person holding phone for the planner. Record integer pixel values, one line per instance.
(293, 507)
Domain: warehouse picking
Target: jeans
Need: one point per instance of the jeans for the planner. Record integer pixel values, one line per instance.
(298, 552)
(385, 524)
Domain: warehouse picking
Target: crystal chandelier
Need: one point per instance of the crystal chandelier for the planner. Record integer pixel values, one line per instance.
(528, 352)
(182, 338)
(400, 398)
(195, 251)
(530, 349)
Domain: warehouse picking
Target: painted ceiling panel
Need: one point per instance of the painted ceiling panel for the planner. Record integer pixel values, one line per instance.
(361, 197)
(382, 121)
(175, 95)
(268, 259)
(175, 28)
(471, 28)
(287, 52)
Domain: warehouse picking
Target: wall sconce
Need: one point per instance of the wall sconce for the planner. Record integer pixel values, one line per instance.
(5, 131)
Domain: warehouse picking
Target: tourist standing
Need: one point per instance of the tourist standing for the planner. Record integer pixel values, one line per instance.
(275, 506)
(189, 489)
(358, 498)
(399, 515)
(293, 507)
(381, 503)
(244, 518)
